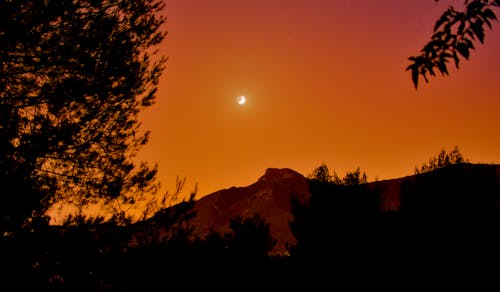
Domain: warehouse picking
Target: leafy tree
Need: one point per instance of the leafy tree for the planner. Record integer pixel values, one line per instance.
(73, 77)
(451, 213)
(442, 160)
(353, 178)
(338, 220)
(454, 35)
(463, 190)
(322, 174)
(250, 237)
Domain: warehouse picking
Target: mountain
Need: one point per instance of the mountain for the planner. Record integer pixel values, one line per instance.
(270, 197)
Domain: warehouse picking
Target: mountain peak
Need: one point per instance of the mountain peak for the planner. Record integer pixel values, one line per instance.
(270, 196)
(273, 175)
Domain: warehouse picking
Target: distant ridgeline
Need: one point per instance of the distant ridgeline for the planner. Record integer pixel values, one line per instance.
(453, 188)
(441, 216)
(468, 191)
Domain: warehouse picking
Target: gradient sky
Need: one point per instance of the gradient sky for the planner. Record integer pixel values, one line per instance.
(325, 82)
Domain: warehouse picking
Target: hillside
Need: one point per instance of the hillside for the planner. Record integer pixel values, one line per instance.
(270, 197)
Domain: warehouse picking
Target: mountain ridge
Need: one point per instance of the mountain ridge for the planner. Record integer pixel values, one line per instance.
(270, 196)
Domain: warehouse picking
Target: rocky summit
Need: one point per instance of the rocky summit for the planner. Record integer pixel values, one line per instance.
(270, 196)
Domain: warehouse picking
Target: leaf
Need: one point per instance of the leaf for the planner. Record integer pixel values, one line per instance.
(414, 76)
(477, 28)
(470, 33)
(415, 64)
(442, 67)
(469, 43)
(438, 35)
(425, 77)
(431, 71)
(463, 49)
(475, 6)
(456, 59)
(488, 13)
(488, 22)
(446, 55)
(441, 20)
(461, 28)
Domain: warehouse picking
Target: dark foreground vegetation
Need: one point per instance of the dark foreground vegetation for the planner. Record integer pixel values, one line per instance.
(74, 76)
(449, 219)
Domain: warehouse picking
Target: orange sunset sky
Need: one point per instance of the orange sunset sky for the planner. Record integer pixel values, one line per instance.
(325, 81)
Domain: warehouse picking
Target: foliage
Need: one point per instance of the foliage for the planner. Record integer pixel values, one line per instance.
(337, 220)
(88, 254)
(250, 237)
(454, 35)
(448, 214)
(451, 214)
(353, 178)
(442, 160)
(170, 227)
(73, 77)
(456, 192)
(322, 174)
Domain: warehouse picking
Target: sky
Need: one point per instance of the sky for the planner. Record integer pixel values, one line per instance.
(325, 82)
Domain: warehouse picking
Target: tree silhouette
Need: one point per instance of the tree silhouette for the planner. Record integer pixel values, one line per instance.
(442, 160)
(337, 221)
(451, 209)
(354, 178)
(250, 237)
(454, 35)
(73, 77)
(322, 174)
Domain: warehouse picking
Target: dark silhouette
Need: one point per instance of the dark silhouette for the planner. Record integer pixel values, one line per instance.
(448, 218)
(250, 237)
(454, 35)
(74, 76)
(338, 221)
(322, 174)
(269, 196)
(442, 160)
(452, 206)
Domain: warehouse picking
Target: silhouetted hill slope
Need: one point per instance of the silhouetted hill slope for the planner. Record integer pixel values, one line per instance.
(390, 189)
(270, 197)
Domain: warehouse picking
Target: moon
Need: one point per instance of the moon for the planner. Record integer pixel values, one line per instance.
(241, 100)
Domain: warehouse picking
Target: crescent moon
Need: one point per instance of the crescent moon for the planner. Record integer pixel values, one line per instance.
(242, 100)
